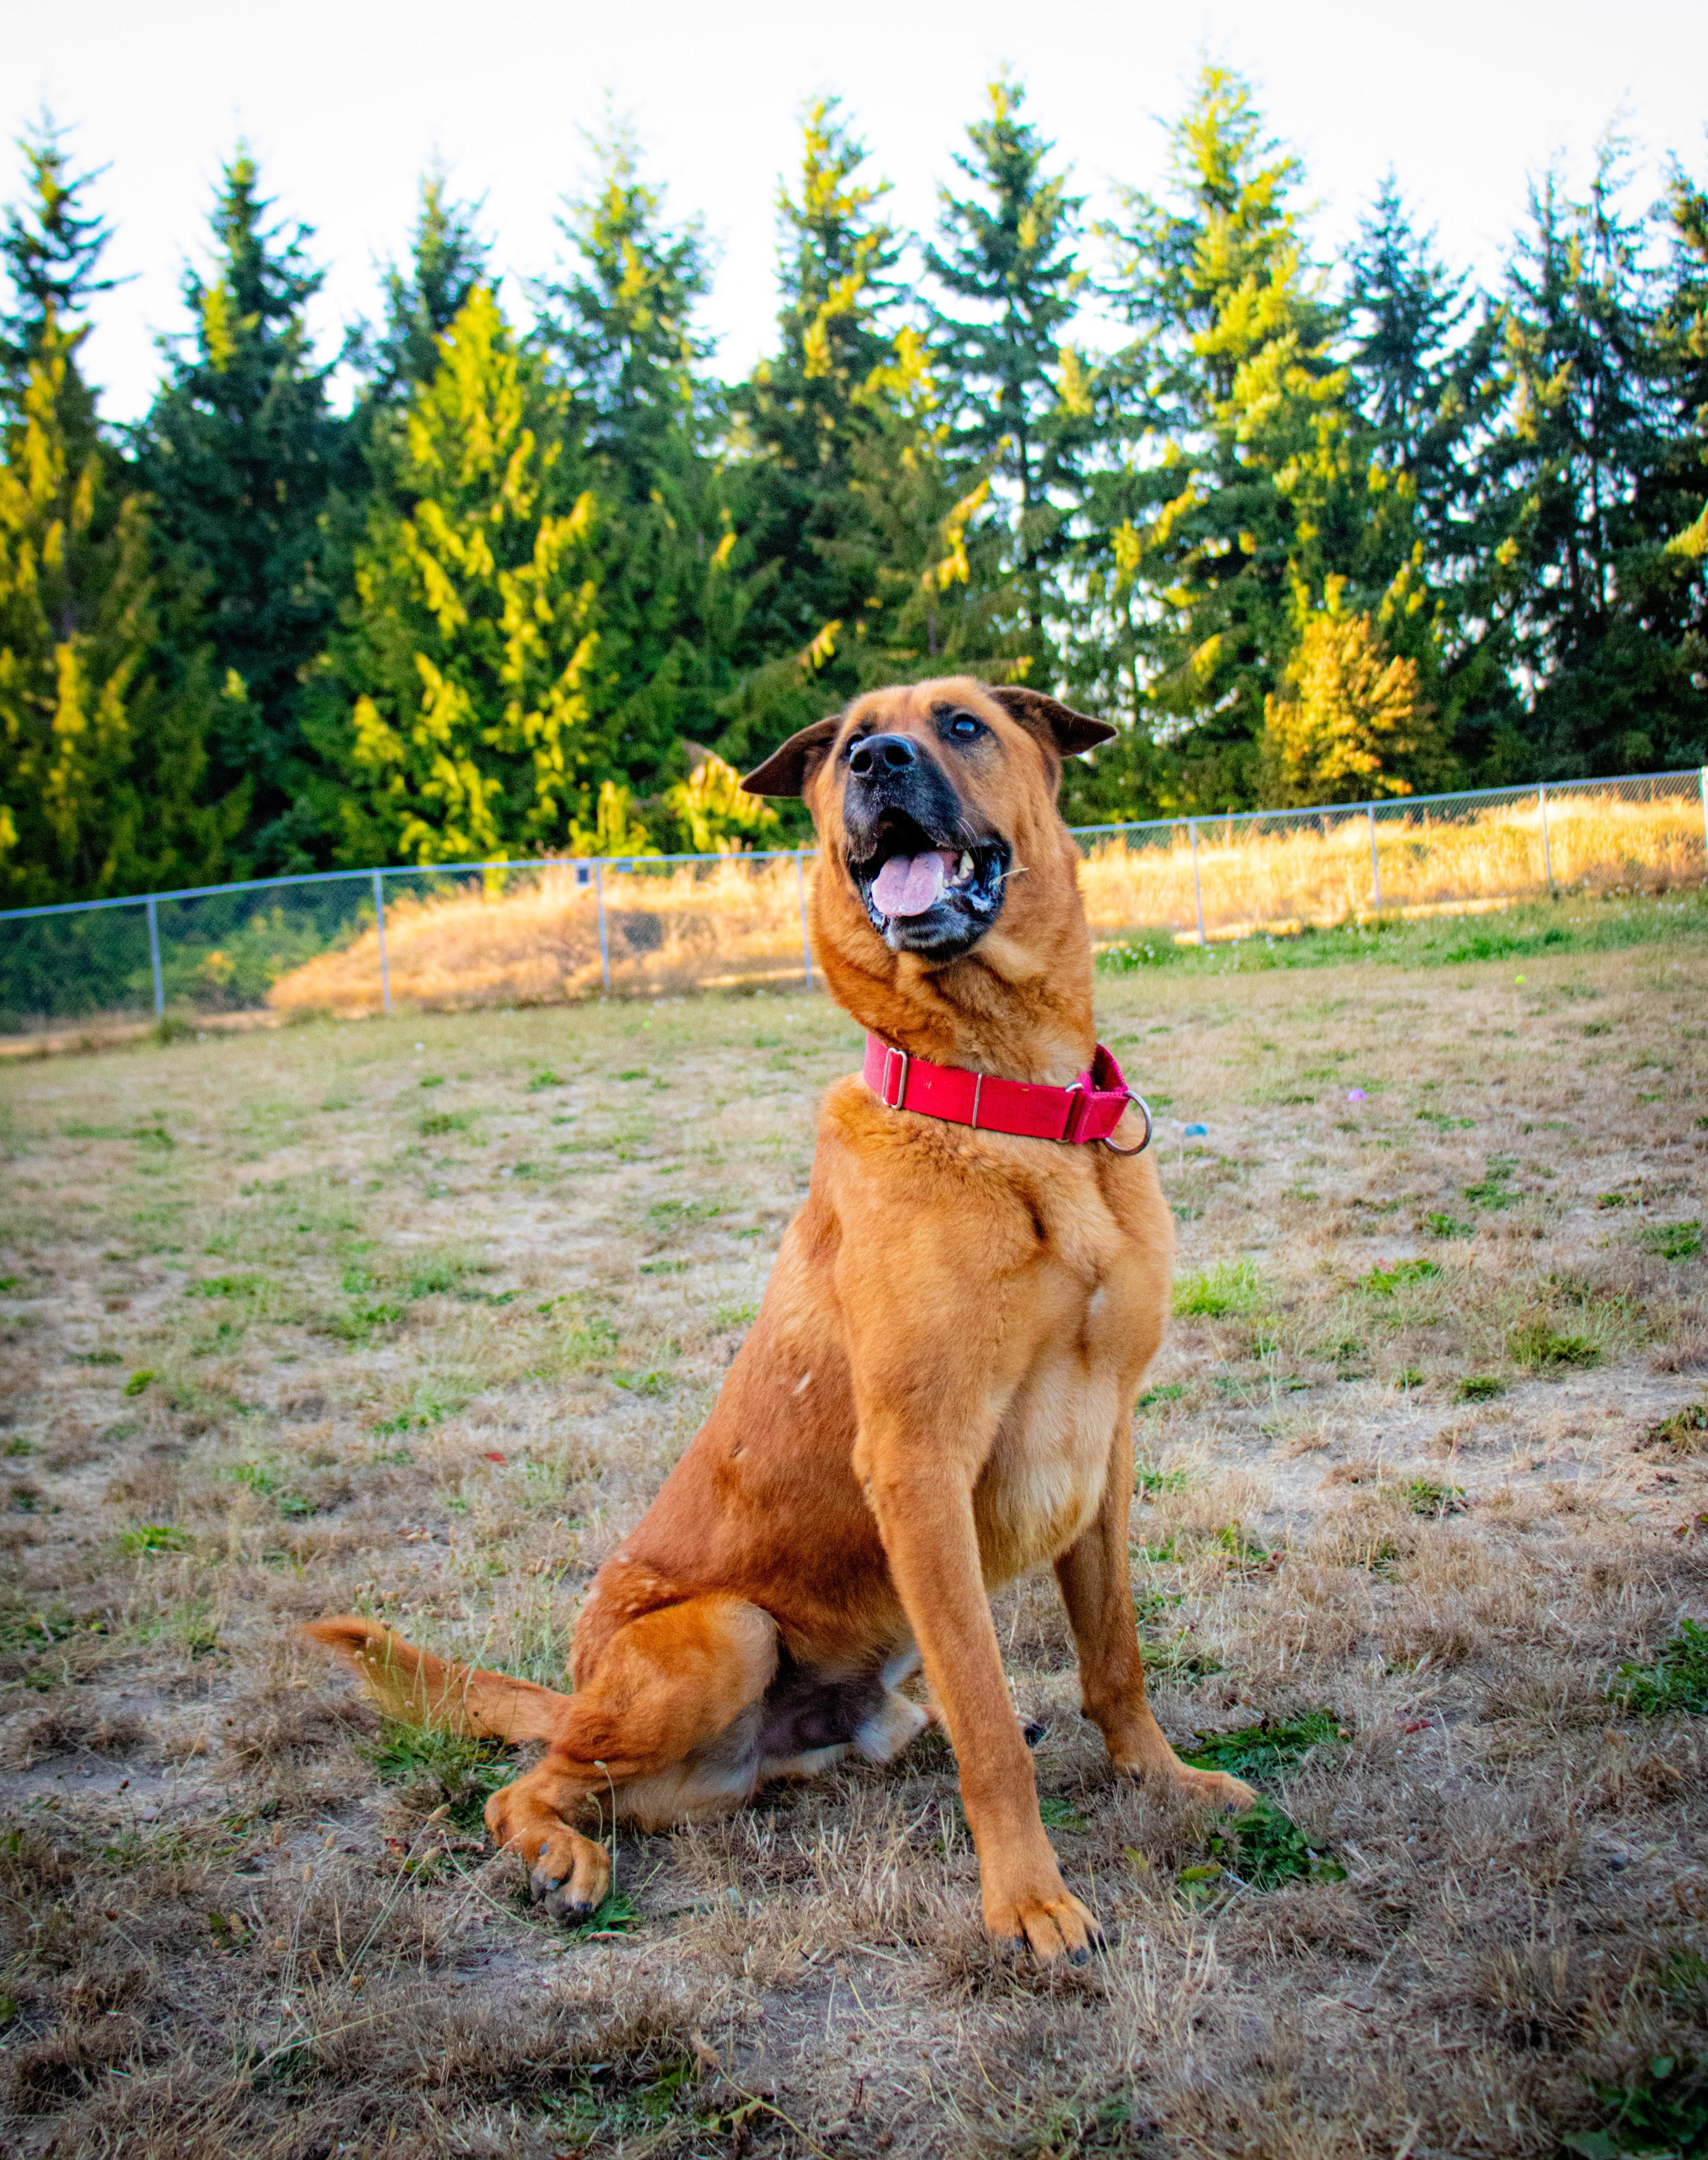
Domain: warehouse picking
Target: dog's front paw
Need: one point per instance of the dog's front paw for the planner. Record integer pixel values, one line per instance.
(1050, 1923)
(1201, 1788)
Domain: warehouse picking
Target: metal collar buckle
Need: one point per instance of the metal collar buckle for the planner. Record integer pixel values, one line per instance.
(1075, 1110)
(898, 1100)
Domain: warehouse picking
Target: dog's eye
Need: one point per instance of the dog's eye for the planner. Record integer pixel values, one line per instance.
(963, 729)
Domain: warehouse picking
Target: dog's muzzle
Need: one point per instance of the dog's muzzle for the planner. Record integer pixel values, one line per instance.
(930, 880)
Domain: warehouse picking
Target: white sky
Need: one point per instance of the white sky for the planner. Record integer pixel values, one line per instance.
(345, 103)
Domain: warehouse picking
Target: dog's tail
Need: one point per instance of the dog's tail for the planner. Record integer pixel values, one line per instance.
(414, 1685)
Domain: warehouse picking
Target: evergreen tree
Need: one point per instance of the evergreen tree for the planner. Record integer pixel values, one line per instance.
(101, 758)
(1240, 489)
(449, 257)
(1027, 408)
(1579, 571)
(50, 248)
(240, 453)
(453, 705)
(618, 334)
(807, 411)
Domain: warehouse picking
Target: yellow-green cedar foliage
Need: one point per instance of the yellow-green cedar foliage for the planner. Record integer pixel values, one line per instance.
(1351, 723)
(455, 699)
(99, 769)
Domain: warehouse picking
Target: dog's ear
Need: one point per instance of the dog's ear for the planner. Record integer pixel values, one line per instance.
(787, 771)
(1058, 726)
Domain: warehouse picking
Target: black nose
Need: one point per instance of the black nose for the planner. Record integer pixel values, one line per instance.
(875, 755)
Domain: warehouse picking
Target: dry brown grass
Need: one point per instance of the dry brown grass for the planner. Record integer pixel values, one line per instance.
(428, 1349)
(534, 938)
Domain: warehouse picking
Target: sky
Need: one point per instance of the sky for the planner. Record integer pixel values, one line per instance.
(344, 102)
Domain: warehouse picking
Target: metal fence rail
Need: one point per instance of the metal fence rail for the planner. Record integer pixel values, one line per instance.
(547, 932)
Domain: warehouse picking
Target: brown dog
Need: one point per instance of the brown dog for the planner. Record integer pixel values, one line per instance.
(937, 1393)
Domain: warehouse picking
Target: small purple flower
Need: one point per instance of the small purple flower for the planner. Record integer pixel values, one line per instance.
(1357, 1095)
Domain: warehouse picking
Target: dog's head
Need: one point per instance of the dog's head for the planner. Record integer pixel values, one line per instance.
(931, 801)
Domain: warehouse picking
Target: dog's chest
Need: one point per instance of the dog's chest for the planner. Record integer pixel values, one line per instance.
(1043, 1480)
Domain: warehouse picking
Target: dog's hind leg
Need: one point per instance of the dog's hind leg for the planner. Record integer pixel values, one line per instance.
(664, 1685)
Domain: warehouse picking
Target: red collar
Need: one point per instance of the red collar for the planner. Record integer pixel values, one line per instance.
(1089, 1110)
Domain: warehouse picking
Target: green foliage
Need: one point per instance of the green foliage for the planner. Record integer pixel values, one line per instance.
(1224, 1286)
(154, 1537)
(1536, 1345)
(1384, 1281)
(449, 1769)
(1260, 1750)
(1661, 2112)
(240, 453)
(1676, 1682)
(1674, 1241)
(1478, 1387)
(1265, 1849)
(1311, 534)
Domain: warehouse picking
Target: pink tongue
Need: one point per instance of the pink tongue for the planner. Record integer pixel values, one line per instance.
(910, 886)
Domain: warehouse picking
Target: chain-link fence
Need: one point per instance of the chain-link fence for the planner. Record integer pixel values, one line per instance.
(497, 934)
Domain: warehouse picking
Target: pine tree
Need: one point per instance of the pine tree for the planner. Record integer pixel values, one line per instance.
(1027, 407)
(806, 411)
(453, 705)
(1577, 572)
(50, 247)
(101, 758)
(617, 330)
(240, 453)
(1249, 486)
(449, 257)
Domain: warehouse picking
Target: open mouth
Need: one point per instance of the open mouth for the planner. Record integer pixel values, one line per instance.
(923, 895)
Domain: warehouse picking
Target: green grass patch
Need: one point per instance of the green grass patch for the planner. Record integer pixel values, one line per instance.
(138, 1381)
(1537, 1346)
(433, 1123)
(1686, 1431)
(1260, 1751)
(1154, 1398)
(1490, 1189)
(1383, 1282)
(1059, 1813)
(154, 1537)
(1424, 1496)
(1676, 1682)
(1478, 1387)
(227, 1286)
(1222, 1287)
(1148, 1481)
(1672, 1241)
(459, 1774)
(544, 1078)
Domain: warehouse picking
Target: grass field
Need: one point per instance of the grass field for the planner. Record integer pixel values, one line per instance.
(412, 1317)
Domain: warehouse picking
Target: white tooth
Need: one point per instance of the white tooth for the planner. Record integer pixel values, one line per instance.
(964, 869)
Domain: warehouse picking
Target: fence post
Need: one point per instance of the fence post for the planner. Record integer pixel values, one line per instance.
(1547, 852)
(1375, 866)
(1198, 889)
(801, 887)
(605, 953)
(380, 925)
(154, 958)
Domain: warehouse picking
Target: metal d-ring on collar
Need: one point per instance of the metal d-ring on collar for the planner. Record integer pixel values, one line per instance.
(1140, 1102)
